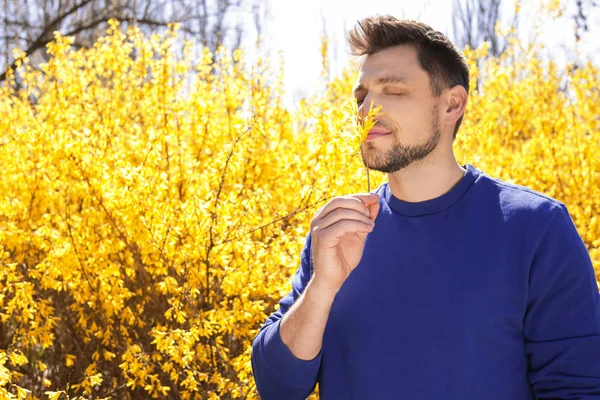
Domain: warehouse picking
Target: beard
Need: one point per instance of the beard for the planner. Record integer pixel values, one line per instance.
(400, 156)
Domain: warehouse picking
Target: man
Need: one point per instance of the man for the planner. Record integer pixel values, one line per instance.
(445, 283)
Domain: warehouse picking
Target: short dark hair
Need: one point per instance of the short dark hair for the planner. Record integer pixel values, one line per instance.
(437, 55)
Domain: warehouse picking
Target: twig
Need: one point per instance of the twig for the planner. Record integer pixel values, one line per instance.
(271, 223)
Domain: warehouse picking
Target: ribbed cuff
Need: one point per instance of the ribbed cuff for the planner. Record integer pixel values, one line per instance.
(279, 358)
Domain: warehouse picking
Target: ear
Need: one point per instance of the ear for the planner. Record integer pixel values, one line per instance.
(455, 102)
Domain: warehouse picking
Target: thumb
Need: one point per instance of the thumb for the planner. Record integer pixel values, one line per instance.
(373, 210)
(371, 201)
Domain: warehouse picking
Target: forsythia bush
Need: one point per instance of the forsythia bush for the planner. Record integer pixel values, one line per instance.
(153, 206)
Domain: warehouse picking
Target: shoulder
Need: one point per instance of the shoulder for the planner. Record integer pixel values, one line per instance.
(532, 220)
(520, 203)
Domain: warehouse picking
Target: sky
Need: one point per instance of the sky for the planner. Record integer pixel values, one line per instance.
(296, 31)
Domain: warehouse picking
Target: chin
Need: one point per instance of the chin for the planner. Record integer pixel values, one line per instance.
(374, 165)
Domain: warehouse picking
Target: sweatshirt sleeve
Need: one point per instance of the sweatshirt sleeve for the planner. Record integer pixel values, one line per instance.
(277, 372)
(562, 321)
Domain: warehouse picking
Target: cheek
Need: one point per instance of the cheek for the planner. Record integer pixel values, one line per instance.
(409, 116)
(413, 114)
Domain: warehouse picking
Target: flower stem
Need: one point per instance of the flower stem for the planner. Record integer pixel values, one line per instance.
(368, 181)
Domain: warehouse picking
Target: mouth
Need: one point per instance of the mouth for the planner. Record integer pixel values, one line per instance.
(376, 133)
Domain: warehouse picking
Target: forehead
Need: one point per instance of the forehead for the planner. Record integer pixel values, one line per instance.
(395, 61)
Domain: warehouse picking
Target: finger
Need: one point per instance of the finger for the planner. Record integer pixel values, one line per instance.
(366, 198)
(331, 236)
(340, 214)
(350, 202)
(369, 200)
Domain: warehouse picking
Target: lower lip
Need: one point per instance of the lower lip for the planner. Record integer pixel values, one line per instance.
(376, 135)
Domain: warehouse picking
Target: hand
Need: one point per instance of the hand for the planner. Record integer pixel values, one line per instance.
(339, 230)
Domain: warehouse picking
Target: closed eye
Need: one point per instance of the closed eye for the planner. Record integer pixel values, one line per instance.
(360, 101)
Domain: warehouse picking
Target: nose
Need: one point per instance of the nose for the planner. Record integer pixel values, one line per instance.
(365, 106)
(363, 111)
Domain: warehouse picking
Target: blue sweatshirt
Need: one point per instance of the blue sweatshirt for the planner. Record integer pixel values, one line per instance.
(486, 292)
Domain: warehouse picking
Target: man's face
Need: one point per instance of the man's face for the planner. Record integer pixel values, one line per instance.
(394, 79)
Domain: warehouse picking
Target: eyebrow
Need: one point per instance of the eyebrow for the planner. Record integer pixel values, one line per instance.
(384, 80)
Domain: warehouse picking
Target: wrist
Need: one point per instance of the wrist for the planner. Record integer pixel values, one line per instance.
(323, 289)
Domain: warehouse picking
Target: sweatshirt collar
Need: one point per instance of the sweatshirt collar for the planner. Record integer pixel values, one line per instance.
(416, 209)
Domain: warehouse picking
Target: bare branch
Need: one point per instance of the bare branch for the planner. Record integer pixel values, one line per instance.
(474, 22)
(31, 27)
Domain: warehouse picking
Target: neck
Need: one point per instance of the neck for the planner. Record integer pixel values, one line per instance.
(425, 179)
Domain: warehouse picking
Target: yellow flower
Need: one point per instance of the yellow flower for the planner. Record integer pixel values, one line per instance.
(360, 127)
(70, 360)
(53, 395)
(362, 130)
